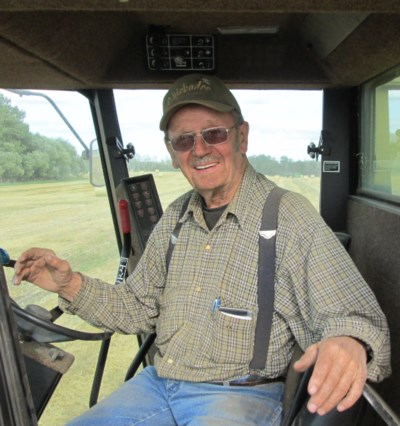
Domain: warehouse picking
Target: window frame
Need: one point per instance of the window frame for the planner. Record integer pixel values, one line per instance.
(367, 129)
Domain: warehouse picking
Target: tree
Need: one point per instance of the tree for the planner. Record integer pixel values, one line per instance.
(11, 165)
(27, 156)
(13, 131)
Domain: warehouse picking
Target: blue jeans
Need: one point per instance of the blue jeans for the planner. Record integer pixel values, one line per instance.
(148, 400)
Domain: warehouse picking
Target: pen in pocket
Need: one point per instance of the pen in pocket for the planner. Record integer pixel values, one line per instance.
(245, 314)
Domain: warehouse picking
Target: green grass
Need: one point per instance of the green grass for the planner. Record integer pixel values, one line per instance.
(73, 219)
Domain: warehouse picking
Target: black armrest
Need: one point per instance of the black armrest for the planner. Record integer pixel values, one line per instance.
(298, 414)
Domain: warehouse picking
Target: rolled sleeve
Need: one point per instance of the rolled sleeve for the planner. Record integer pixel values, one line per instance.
(332, 297)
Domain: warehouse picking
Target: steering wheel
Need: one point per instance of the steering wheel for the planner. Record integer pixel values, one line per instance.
(35, 323)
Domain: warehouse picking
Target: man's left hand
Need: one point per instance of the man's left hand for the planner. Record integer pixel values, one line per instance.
(339, 374)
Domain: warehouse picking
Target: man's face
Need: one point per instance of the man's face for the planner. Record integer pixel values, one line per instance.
(215, 171)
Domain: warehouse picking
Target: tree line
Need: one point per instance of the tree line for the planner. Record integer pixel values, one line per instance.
(27, 156)
(264, 164)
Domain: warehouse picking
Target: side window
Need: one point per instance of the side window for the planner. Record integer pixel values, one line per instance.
(46, 196)
(380, 138)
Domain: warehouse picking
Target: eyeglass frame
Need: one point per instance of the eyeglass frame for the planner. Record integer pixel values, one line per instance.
(200, 133)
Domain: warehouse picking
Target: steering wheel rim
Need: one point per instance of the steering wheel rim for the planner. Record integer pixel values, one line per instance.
(45, 331)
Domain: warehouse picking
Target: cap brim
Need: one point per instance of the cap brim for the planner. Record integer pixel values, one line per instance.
(209, 104)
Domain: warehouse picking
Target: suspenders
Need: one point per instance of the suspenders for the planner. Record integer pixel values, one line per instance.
(175, 234)
(266, 277)
(266, 272)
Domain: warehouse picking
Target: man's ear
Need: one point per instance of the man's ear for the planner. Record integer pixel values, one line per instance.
(244, 129)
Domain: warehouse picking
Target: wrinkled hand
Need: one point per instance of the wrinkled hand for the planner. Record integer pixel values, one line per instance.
(339, 374)
(43, 268)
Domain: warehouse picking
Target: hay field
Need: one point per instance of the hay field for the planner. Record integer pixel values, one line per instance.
(73, 219)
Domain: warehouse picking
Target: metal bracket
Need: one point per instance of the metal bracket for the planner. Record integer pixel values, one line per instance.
(322, 149)
(128, 152)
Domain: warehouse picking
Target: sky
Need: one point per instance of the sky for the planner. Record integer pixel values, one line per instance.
(282, 123)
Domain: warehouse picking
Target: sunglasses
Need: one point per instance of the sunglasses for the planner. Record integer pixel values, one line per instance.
(212, 136)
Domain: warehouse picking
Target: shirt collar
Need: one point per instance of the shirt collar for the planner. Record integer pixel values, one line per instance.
(238, 206)
(235, 208)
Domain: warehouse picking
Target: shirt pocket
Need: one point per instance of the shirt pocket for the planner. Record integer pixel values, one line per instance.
(232, 339)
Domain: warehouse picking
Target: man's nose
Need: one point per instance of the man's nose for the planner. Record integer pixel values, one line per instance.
(200, 146)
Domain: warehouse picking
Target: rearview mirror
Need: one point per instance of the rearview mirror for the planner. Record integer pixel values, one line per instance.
(95, 166)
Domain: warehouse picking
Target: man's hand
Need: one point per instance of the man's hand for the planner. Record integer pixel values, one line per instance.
(43, 268)
(339, 374)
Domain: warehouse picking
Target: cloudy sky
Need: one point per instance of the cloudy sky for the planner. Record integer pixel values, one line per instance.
(282, 123)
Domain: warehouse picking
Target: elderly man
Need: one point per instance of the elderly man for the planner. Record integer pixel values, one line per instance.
(204, 304)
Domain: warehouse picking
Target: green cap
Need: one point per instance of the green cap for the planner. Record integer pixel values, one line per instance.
(205, 90)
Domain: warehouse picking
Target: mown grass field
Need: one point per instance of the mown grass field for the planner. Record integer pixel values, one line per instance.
(73, 219)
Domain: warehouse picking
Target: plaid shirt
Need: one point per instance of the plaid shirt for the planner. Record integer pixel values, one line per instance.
(318, 291)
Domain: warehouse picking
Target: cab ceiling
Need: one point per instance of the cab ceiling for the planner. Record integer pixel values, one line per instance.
(84, 44)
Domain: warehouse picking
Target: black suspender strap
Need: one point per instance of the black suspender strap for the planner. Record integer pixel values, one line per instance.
(266, 277)
(175, 234)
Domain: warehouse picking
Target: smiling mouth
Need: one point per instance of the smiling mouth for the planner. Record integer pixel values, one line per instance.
(205, 166)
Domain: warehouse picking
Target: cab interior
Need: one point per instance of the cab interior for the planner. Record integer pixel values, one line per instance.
(95, 46)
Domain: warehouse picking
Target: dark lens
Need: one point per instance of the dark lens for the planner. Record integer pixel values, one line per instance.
(215, 136)
(183, 142)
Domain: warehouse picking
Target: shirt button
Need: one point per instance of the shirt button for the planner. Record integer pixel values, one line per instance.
(170, 361)
(207, 247)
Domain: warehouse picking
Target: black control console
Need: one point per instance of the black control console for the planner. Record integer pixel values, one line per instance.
(144, 211)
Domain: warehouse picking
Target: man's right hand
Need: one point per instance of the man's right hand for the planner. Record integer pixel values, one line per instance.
(43, 268)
